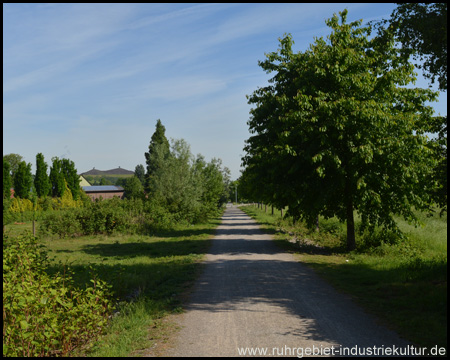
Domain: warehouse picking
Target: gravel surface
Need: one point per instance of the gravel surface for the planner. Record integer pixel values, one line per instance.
(253, 295)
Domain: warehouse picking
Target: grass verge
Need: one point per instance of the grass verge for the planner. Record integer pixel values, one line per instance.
(403, 284)
(150, 276)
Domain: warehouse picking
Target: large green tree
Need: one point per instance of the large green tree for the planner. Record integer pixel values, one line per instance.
(57, 178)
(14, 161)
(421, 30)
(133, 188)
(23, 181)
(211, 185)
(41, 179)
(338, 131)
(71, 176)
(173, 185)
(158, 153)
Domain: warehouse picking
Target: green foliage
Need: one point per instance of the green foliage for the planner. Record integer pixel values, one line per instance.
(104, 181)
(99, 217)
(14, 161)
(7, 180)
(133, 188)
(158, 152)
(20, 205)
(139, 172)
(189, 190)
(46, 315)
(337, 131)
(23, 181)
(70, 174)
(421, 28)
(58, 186)
(41, 180)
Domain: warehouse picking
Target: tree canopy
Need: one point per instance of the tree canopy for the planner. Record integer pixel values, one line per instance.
(338, 131)
(421, 29)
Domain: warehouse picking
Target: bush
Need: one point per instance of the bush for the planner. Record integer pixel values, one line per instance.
(20, 205)
(46, 315)
(99, 217)
(63, 223)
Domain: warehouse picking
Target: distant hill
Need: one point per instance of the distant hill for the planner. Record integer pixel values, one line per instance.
(112, 172)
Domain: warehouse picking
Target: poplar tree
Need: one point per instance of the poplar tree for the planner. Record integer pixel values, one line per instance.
(41, 179)
(158, 152)
(71, 176)
(23, 181)
(57, 178)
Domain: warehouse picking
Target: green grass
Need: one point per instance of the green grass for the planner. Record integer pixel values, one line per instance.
(150, 276)
(404, 284)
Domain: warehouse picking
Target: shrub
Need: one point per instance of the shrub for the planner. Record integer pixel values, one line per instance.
(63, 223)
(46, 315)
(21, 205)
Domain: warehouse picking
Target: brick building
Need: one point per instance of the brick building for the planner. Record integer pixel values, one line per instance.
(103, 191)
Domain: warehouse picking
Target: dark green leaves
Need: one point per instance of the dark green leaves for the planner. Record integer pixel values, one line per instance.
(336, 130)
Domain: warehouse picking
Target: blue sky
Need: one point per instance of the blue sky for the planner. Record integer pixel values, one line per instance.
(88, 81)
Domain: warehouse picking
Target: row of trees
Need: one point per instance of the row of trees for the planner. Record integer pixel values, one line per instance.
(184, 187)
(17, 174)
(337, 130)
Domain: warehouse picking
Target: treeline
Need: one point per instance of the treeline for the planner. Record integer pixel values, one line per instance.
(338, 131)
(177, 187)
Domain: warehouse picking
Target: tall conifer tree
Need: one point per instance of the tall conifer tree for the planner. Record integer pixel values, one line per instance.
(160, 141)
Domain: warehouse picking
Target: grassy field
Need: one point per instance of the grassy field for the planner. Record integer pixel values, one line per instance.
(404, 285)
(150, 277)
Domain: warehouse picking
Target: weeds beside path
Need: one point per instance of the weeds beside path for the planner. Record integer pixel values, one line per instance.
(149, 276)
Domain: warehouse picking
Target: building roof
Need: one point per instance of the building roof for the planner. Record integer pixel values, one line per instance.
(117, 171)
(102, 188)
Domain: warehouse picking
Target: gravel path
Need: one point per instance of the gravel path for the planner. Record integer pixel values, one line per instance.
(253, 295)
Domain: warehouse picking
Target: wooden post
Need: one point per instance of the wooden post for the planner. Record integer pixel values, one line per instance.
(34, 229)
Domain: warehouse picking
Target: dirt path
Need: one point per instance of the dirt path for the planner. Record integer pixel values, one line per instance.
(253, 295)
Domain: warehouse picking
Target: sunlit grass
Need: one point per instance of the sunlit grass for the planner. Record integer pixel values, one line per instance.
(404, 284)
